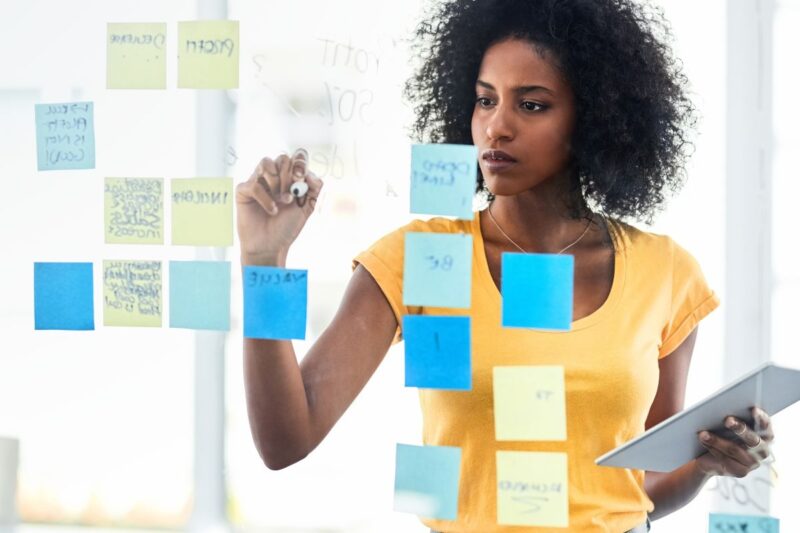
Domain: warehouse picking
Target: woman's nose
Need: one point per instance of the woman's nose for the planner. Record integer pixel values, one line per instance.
(499, 125)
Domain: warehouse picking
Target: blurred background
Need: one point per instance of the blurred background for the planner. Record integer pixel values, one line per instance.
(146, 428)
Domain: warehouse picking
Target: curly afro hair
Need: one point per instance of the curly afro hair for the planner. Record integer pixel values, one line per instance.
(633, 116)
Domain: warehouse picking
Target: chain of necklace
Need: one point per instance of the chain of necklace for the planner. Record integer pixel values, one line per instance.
(585, 231)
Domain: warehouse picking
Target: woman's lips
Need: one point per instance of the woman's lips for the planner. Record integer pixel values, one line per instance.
(497, 160)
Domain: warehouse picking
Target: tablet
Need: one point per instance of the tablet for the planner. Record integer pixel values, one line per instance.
(674, 442)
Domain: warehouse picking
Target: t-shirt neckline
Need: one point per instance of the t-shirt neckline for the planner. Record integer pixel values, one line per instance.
(620, 258)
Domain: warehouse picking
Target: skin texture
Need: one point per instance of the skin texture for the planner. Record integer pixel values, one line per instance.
(292, 406)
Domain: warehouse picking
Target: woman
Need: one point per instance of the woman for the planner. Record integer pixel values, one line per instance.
(579, 114)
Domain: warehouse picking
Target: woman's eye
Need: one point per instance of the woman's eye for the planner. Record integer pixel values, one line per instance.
(532, 106)
(483, 101)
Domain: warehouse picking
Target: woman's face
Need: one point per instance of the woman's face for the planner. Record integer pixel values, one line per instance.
(523, 118)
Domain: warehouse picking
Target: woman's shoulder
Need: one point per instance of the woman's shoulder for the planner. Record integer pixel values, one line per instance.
(652, 247)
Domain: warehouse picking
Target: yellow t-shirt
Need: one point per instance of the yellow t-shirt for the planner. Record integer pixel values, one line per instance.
(610, 360)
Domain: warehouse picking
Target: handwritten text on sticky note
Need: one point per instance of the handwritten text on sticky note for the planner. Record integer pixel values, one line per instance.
(275, 302)
(529, 403)
(437, 352)
(136, 56)
(65, 136)
(200, 295)
(532, 489)
(437, 269)
(202, 211)
(426, 481)
(134, 211)
(63, 296)
(537, 290)
(730, 523)
(208, 54)
(443, 178)
(132, 293)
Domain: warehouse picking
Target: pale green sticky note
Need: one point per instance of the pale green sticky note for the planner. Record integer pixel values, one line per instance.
(136, 56)
(132, 293)
(202, 211)
(134, 210)
(532, 489)
(208, 54)
(529, 403)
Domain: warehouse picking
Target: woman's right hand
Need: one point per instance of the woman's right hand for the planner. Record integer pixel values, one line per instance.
(268, 217)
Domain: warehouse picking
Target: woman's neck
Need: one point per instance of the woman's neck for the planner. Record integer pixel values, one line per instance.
(538, 221)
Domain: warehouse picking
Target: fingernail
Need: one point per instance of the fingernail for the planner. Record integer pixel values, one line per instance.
(273, 210)
(705, 437)
(287, 198)
(731, 424)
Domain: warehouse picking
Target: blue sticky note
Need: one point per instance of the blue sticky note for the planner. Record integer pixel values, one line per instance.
(275, 301)
(537, 290)
(731, 523)
(200, 295)
(443, 178)
(65, 136)
(437, 269)
(438, 354)
(63, 296)
(426, 480)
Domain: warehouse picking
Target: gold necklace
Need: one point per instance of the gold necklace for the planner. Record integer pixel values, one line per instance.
(586, 230)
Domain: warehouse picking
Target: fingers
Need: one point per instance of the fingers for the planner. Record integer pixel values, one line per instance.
(299, 164)
(284, 164)
(256, 189)
(732, 457)
(763, 424)
(749, 437)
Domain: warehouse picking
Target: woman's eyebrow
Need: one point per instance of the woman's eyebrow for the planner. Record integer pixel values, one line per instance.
(523, 89)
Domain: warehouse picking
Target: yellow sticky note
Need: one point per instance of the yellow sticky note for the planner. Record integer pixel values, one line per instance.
(532, 489)
(132, 293)
(529, 403)
(134, 211)
(202, 211)
(136, 56)
(208, 54)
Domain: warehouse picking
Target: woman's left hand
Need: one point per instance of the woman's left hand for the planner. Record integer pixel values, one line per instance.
(740, 456)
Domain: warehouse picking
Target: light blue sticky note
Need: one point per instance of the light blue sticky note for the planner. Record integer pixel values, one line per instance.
(731, 523)
(275, 301)
(443, 178)
(426, 481)
(65, 136)
(537, 290)
(63, 296)
(200, 295)
(438, 354)
(437, 269)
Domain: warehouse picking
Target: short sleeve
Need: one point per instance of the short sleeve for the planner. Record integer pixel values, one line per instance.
(692, 300)
(384, 261)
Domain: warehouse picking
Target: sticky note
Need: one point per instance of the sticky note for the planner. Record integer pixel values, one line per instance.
(529, 403)
(426, 481)
(437, 269)
(200, 295)
(443, 179)
(132, 293)
(532, 489)
(63, 296)
(731, 523)
(437, 352)
(65, 136)
(136, 56)
(537, 290)
(275, 301)
(202, 211)
(208, 54)
(134, 211)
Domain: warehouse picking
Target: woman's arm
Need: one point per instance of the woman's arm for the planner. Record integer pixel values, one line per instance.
(292, 407)
(671, 491)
